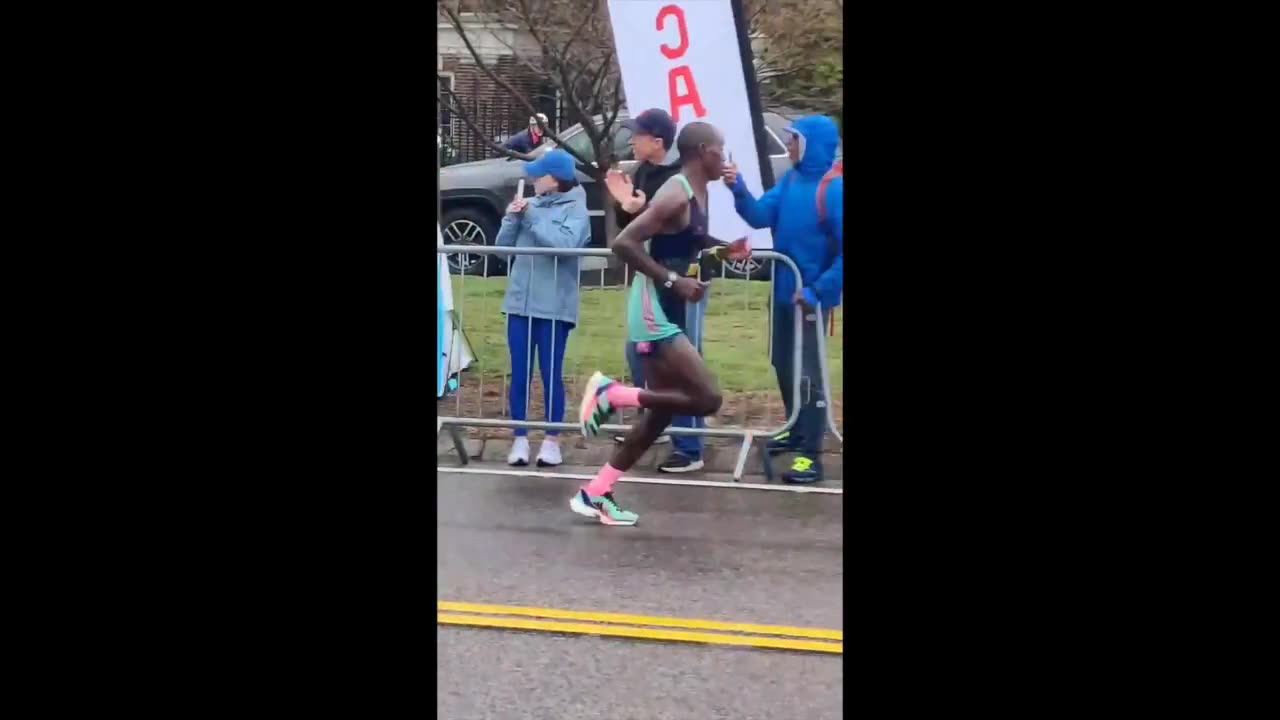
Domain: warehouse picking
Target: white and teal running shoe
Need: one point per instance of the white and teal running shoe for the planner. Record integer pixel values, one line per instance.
(604, 508)
(595, 407)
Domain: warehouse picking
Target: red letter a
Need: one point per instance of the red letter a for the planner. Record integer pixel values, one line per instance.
(689, 98)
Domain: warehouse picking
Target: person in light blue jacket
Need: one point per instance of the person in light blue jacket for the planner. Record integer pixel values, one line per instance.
(805, 210)
(541, 303)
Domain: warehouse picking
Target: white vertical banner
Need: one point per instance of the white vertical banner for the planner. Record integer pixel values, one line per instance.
(682, 56)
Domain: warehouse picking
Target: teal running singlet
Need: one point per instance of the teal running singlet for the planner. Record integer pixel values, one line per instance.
(647, 321)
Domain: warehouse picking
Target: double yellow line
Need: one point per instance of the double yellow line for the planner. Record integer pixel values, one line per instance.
(712, 632)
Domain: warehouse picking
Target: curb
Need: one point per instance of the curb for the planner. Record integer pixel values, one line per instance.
(573, 451)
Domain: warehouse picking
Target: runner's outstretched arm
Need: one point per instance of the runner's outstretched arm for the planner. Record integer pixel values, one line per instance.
(760, 213)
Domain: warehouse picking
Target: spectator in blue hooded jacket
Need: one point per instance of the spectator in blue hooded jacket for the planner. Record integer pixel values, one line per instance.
(541, 302)
(790, 210)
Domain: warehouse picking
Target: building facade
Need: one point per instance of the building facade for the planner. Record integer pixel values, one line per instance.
(506, 51)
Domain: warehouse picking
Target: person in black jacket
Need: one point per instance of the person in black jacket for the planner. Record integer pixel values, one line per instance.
(653, 132)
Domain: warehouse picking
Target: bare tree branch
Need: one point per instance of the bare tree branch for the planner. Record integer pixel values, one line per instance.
(567, 44)
(537, 68)
(577, 31)
(799, 63)
(617, 102)
(567, 89)
(456, 22)
(456, 110)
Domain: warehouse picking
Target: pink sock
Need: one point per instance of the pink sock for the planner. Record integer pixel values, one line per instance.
(604, 481)
(621, 396)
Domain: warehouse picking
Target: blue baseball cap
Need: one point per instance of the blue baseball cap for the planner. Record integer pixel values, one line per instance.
(655, 122)
(556, 163)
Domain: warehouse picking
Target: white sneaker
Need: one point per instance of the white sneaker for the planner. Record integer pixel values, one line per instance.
(519, 455)
(549, 453)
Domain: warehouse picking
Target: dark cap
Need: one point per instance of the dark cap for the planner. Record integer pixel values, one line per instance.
(655, 122)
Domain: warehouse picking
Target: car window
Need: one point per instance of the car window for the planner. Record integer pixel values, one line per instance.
(581, 144)
(775, 146)
(622, 144)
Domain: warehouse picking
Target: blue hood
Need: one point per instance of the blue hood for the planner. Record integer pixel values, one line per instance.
(821, 137)
(790, 209)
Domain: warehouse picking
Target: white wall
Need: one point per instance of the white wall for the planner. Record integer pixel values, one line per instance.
(488, 38)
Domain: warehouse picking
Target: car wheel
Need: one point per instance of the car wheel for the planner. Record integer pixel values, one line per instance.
(471, 226)
(749, 269)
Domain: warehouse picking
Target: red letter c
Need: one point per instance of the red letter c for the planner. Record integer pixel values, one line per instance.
(673, 53)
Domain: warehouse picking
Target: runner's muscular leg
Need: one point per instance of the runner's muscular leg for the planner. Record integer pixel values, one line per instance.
(641, 436)
(681, 385)
(687, 387)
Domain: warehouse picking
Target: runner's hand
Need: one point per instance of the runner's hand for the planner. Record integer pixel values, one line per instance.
(730, 173)
(689, 289)
(619, 184)
(634, 204)
(737, 250)
(517, 206)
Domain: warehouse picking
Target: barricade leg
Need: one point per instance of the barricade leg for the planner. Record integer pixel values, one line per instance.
(787, 349)
(828, 406)
(810, 425)
(741, 465)
(459, 444)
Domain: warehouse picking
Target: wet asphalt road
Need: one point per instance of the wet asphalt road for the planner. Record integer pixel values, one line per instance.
(487, 674)
(706, 553)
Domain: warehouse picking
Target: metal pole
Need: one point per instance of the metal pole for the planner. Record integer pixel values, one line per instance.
(826, 377)
(753, 92)
(549, 387)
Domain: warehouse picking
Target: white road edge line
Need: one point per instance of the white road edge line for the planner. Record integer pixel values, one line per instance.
(645, 480)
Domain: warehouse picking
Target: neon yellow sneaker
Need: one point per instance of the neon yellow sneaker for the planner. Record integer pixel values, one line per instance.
(804, 470)
(781, 443)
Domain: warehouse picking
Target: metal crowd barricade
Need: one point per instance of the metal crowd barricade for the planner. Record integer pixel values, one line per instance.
(748, 435)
